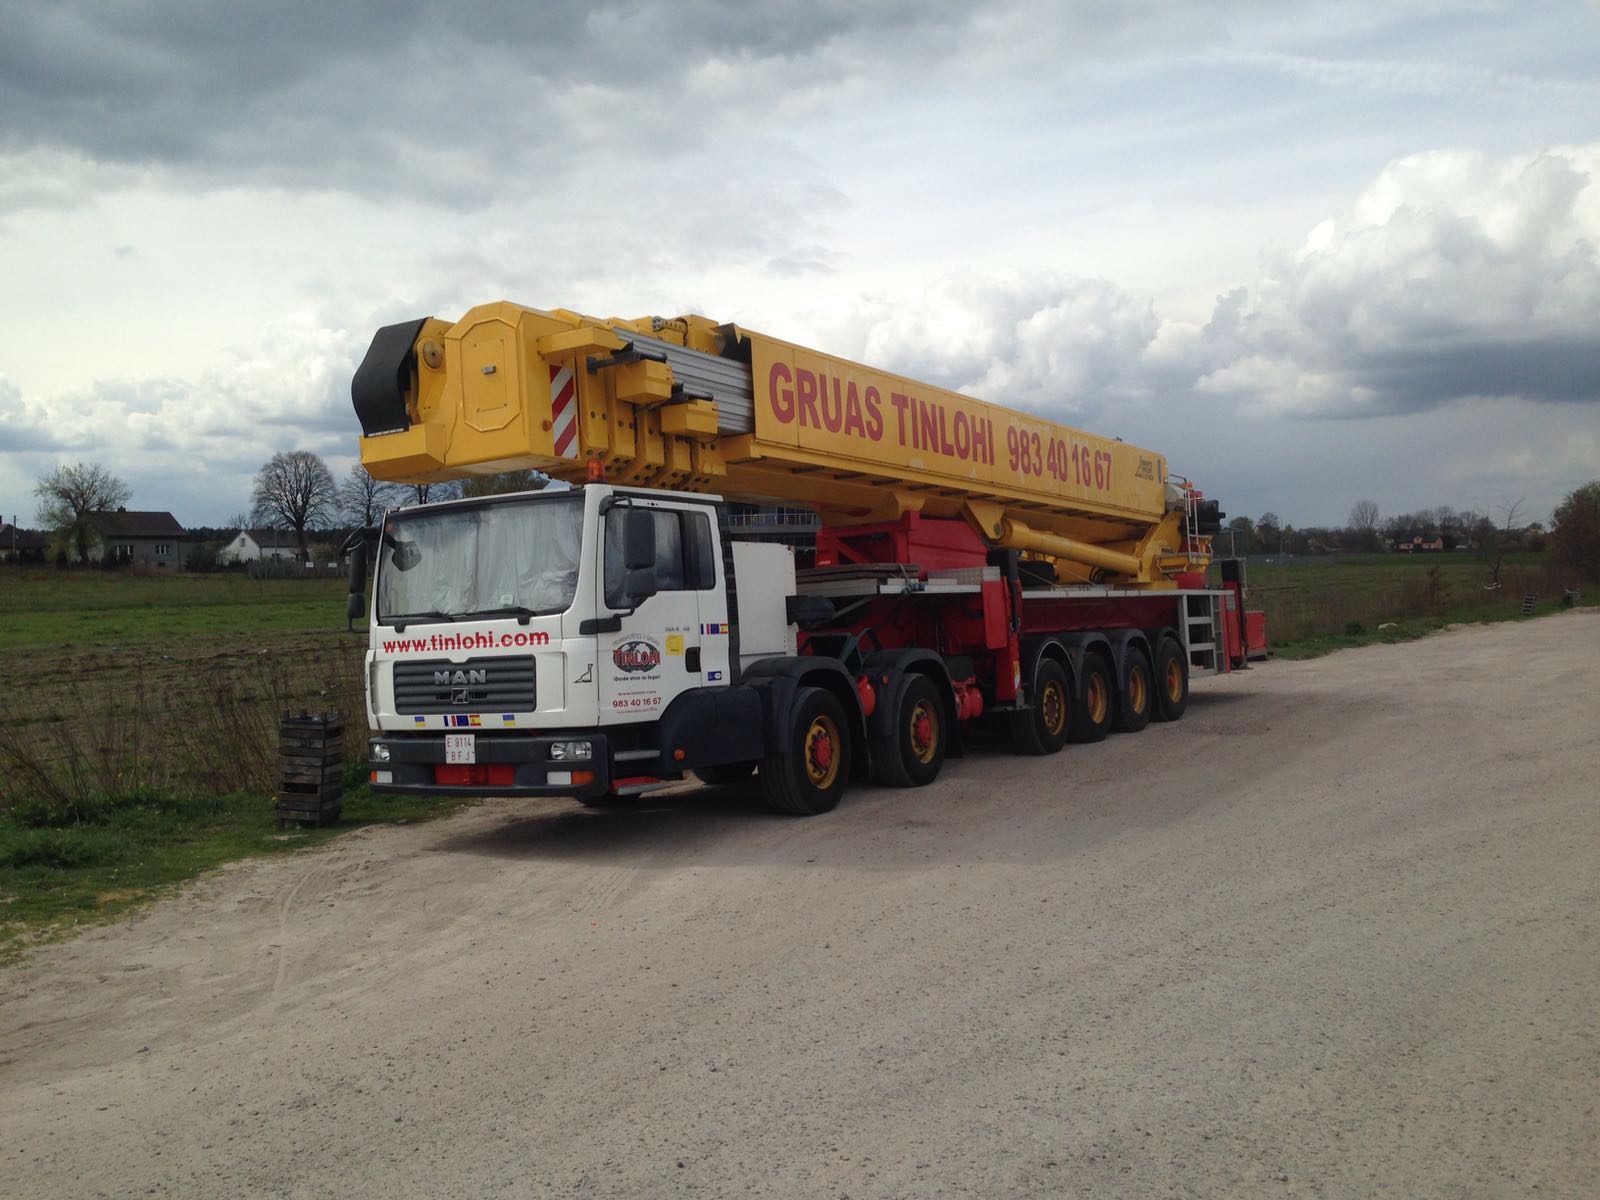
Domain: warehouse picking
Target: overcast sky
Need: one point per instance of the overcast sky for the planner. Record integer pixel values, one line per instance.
(1312, 253)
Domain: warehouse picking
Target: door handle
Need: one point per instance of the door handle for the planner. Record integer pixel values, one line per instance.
(691, 660)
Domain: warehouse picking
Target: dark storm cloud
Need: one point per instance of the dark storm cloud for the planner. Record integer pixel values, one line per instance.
(455, 103)
(369, 96)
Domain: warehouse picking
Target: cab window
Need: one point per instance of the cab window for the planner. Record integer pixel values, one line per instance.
(684, 553)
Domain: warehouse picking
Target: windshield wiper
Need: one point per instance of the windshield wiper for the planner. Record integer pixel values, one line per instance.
(399, 620)
(506, 610)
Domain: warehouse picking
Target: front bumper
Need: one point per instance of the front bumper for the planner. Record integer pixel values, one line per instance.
(411, 762)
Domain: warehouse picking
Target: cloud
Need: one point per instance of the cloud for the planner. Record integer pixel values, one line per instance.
(194, 444)
(1052, 344)
(1453, 275)
(457, 104)
(349, 96)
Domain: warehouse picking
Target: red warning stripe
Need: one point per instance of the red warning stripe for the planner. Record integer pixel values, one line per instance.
(564, 411)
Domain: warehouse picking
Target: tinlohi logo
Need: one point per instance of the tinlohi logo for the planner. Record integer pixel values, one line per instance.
(636, 656)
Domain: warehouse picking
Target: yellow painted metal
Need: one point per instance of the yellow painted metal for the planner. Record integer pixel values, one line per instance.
(1015, 535)
(854, 414)
(856, 443)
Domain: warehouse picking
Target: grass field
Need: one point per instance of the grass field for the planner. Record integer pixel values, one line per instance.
(45, 607)
(1317, 605)
(138, 730)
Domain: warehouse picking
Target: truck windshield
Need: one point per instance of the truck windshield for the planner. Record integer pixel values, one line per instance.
(500, 558)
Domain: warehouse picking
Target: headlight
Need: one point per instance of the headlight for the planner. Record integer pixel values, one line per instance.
(561, 751)
(380, 752)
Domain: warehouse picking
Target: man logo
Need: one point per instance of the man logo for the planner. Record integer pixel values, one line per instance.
(459, 678)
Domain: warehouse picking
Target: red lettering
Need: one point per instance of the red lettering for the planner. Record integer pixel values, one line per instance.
(963, 434)
(832, 415)
(875, 413)
(927, 425)
(805, 389)
(945, 447)
(781, 398)
(900, 400)
(852, 410)
(981, 444)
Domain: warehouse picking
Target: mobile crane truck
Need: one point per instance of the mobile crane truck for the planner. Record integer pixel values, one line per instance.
(974, 567)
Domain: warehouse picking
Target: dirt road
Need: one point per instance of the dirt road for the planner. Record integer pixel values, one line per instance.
(1334, 934)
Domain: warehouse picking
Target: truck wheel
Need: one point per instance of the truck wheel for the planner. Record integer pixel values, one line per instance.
(725, 774)
(1137, 696)
(1042, 729)
(1172, 681)
(913, 753)
(809, 777)
(1091, 718)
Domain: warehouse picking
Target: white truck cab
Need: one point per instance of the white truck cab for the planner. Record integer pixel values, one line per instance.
(543, 643)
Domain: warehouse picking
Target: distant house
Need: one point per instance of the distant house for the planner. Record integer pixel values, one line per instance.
(22, 545)
(151, 538)
(1420, 544)
(252, 545)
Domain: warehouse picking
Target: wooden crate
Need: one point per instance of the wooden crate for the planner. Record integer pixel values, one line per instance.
(311, 768)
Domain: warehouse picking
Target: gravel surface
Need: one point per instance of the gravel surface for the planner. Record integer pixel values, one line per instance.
(1334, 934)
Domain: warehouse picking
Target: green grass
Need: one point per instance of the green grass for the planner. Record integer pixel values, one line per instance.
(45, 607)
(1320, 605)
(62, 867)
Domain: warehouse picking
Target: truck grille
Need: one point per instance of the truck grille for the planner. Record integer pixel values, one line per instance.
(477, 685)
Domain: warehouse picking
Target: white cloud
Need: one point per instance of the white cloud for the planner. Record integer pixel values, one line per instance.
(1452, 275)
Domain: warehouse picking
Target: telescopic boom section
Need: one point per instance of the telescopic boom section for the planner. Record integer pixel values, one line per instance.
(693, 405)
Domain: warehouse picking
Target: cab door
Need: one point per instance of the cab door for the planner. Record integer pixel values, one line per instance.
(655, 652)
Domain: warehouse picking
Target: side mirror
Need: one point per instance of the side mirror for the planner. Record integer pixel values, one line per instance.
(640, 585)
(358, 568)
(639, 542)
(355, 606)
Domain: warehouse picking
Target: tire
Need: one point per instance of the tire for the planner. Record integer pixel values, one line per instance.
(913, 753)
(809, 777)
(725, 774)
(1042, 729)
(1136, 697)
(1172, 681)
(1097, 700)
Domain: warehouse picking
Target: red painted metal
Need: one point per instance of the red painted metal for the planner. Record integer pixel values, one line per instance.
(868, 695)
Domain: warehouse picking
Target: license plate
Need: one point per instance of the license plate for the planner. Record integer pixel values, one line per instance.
(460, 748)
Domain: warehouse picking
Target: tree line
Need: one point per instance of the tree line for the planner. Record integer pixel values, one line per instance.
(1368, 531)
(294, 491)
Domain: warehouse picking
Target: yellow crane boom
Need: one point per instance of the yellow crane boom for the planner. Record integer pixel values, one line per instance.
(693, 405)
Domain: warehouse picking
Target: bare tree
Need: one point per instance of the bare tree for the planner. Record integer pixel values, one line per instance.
(73, 499)
(239, 520)
(424, 493)
(362, 498)
(294, 489)
(1364, 524)
(506, 481)
(1495, 539)
(1364, 517)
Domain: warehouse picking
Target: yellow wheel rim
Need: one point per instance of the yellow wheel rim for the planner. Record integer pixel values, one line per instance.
(1174, 681)
(1099, 702)
(1138, 697)
(1054, 703)
(822, 753)
(923, 731)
